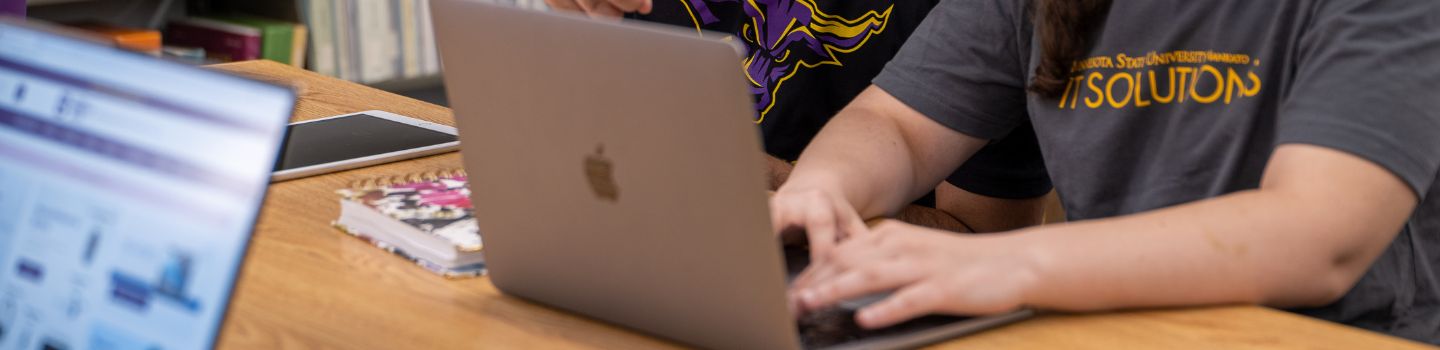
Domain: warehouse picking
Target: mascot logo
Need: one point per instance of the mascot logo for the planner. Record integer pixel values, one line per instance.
(784, 37)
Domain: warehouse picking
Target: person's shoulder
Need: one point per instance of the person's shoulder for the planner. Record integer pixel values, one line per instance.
(1011, 11)
(1330, 8)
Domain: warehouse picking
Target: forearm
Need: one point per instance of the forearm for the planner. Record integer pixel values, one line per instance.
(779, 170)
(932, 218)
(985, 214)
(1249, 247)
(914, 214)
(879, 154)
(854, 157)
(1318, 220)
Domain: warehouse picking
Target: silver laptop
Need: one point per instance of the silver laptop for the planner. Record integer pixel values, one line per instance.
(128, 190)
(617, 173)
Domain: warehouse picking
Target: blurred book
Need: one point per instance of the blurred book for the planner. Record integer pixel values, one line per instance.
(371, 41)
(378, 41)
(429, 55)
(222, 41)
(280, 41)
(13, 8)
(137, 39)
(425, 218)
(185, 54)
(320, 18)
(299, 45)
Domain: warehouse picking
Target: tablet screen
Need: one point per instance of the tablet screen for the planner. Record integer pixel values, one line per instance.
(351, 137)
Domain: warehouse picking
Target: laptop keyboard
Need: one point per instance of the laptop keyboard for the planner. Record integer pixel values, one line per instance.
(837, 326)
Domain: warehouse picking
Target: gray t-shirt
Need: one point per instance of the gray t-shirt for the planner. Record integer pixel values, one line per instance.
(1181, 100)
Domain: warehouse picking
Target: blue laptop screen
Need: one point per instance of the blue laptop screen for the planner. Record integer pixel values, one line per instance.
(128, 191)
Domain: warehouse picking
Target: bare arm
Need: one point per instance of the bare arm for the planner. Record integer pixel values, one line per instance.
(867, 162)
(984, 208)
(880, 153)
(602, 8)
(1301, 239)
(779, 170)
(1317, 222)
(933, 218)
(988, 214)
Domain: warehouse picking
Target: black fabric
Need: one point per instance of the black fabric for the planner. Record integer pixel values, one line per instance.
(1015, 179)
(809, 58)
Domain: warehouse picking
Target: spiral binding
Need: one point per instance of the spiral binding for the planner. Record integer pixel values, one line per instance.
(402, 179)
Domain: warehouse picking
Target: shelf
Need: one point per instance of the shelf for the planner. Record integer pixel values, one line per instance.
(50, 2)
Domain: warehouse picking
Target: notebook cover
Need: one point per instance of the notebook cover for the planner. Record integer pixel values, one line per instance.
(437, 205)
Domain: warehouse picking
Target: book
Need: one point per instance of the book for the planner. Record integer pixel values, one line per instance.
(343, 14)
(136, 39)
(184, 54)
(371, 41)
(321, 21)
(377, 41)
(408, 26)
(222, 41)
(429, 56)
(425, 218)
(12, 7)
(298, 46)
(277, 38)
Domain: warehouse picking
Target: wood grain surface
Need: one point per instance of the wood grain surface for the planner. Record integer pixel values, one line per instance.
(306, 285)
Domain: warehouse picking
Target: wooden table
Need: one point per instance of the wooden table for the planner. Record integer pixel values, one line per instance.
(306, 285)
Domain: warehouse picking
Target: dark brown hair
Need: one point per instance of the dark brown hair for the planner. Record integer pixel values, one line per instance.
(1063, 28)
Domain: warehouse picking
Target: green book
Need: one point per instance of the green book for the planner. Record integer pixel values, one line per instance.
(277, 38)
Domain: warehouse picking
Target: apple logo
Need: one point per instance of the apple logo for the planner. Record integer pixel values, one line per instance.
(601, 174)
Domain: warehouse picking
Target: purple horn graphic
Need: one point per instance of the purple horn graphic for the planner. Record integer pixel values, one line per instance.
(786, 36)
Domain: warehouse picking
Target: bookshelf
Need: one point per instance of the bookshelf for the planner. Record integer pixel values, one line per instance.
(51, 2)
(128, 13)
(386, 44)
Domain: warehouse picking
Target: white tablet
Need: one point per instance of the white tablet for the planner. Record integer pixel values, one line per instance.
(356, 140)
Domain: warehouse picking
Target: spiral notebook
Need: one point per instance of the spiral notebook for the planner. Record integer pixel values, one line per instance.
(422, 217)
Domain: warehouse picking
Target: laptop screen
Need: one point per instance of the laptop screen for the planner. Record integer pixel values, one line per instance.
(128, 190)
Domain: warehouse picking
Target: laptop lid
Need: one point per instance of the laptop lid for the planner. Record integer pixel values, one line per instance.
(128, 190)
(617, 173)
